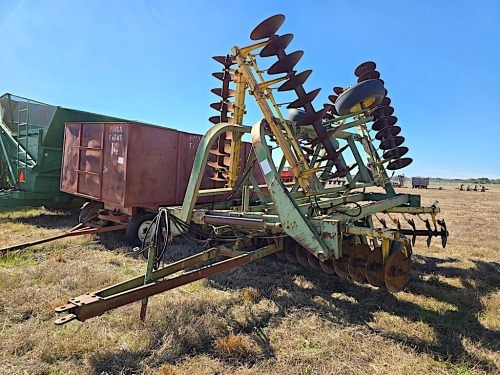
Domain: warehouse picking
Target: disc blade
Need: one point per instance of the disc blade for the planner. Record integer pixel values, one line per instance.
(276, 44)
(357, 262)
(307, 98)
(338, 90)
(391, 143)
(384, 122)
(227, 60)
(369, 75)
(286, 64)
(399, 163)
(380, 112)
(395, 153)
(327, 267)
(214, 119)
(367, 66)
(301, 255)
(223, 93)
(295, 80)
(223, 106)
(313, 261)
(390, 131)
(375, 272)
(332, 98)
(397, 271)
(268, 27)
(341, 265)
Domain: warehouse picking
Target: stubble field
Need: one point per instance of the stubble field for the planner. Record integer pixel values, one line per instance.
(269, 317)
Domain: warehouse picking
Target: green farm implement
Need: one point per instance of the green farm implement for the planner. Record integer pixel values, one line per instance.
(31, 140)
(337, 229)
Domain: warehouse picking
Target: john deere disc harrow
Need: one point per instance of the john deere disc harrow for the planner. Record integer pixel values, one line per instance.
(340, 229)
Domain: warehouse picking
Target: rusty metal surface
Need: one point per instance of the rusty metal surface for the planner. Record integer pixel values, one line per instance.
(132, 164)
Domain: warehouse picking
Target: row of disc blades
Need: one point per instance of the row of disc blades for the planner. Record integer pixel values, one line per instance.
(387, 132)
(221, 150)
(285, 65)
(358, 262)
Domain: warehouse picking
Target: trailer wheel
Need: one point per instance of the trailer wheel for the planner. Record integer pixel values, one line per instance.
(369, 93)
(88, 214)
(138, 228)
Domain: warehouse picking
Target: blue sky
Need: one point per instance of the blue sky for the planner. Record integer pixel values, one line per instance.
(151, 61)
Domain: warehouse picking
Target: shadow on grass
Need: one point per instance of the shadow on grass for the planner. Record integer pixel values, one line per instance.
(45, 218)
(451, 326)
(355, 304)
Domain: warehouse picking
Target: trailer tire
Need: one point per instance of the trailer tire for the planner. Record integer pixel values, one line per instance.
(138, 226)
(369, 92)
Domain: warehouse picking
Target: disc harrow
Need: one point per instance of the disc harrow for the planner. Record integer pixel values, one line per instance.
(351, 229)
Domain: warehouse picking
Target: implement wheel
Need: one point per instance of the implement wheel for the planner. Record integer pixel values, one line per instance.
(138, 231)
(364, 95)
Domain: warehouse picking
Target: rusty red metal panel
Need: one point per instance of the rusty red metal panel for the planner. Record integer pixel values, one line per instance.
(133, 165)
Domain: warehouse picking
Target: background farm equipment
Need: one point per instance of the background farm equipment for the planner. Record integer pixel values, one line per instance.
(419, 182)
(31, 135)
(340, 230)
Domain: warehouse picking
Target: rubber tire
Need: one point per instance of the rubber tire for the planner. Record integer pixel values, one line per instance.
(372, 88)
(135, 224)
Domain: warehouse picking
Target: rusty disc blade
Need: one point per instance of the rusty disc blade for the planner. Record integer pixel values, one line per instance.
(332, 98)
(276, 44)
(386, 102)
(384, 122)
(375, 272)
(303, 100)
(395, 153)
(223, 93)
(214, 119)
(223, 106)
(268, 27)
(369, 75)
(391, 143)
(285, 64)
(399, 163)
(338, 90)
(380, 112)
(327, 267)
(219, 75)
(301, 255)
(309, 120)
(227, 60)
(341, 265)
(397, 271)
(295, 81)
(365, 67)
(313, 261)
(357, 262)
(390, 131)
(289, 249)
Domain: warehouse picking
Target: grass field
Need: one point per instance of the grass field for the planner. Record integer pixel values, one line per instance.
(269, 317)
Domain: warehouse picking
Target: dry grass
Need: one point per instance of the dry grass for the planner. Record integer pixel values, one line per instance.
(267, 317)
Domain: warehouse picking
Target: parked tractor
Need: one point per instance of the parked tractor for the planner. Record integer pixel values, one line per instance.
(341, 229)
